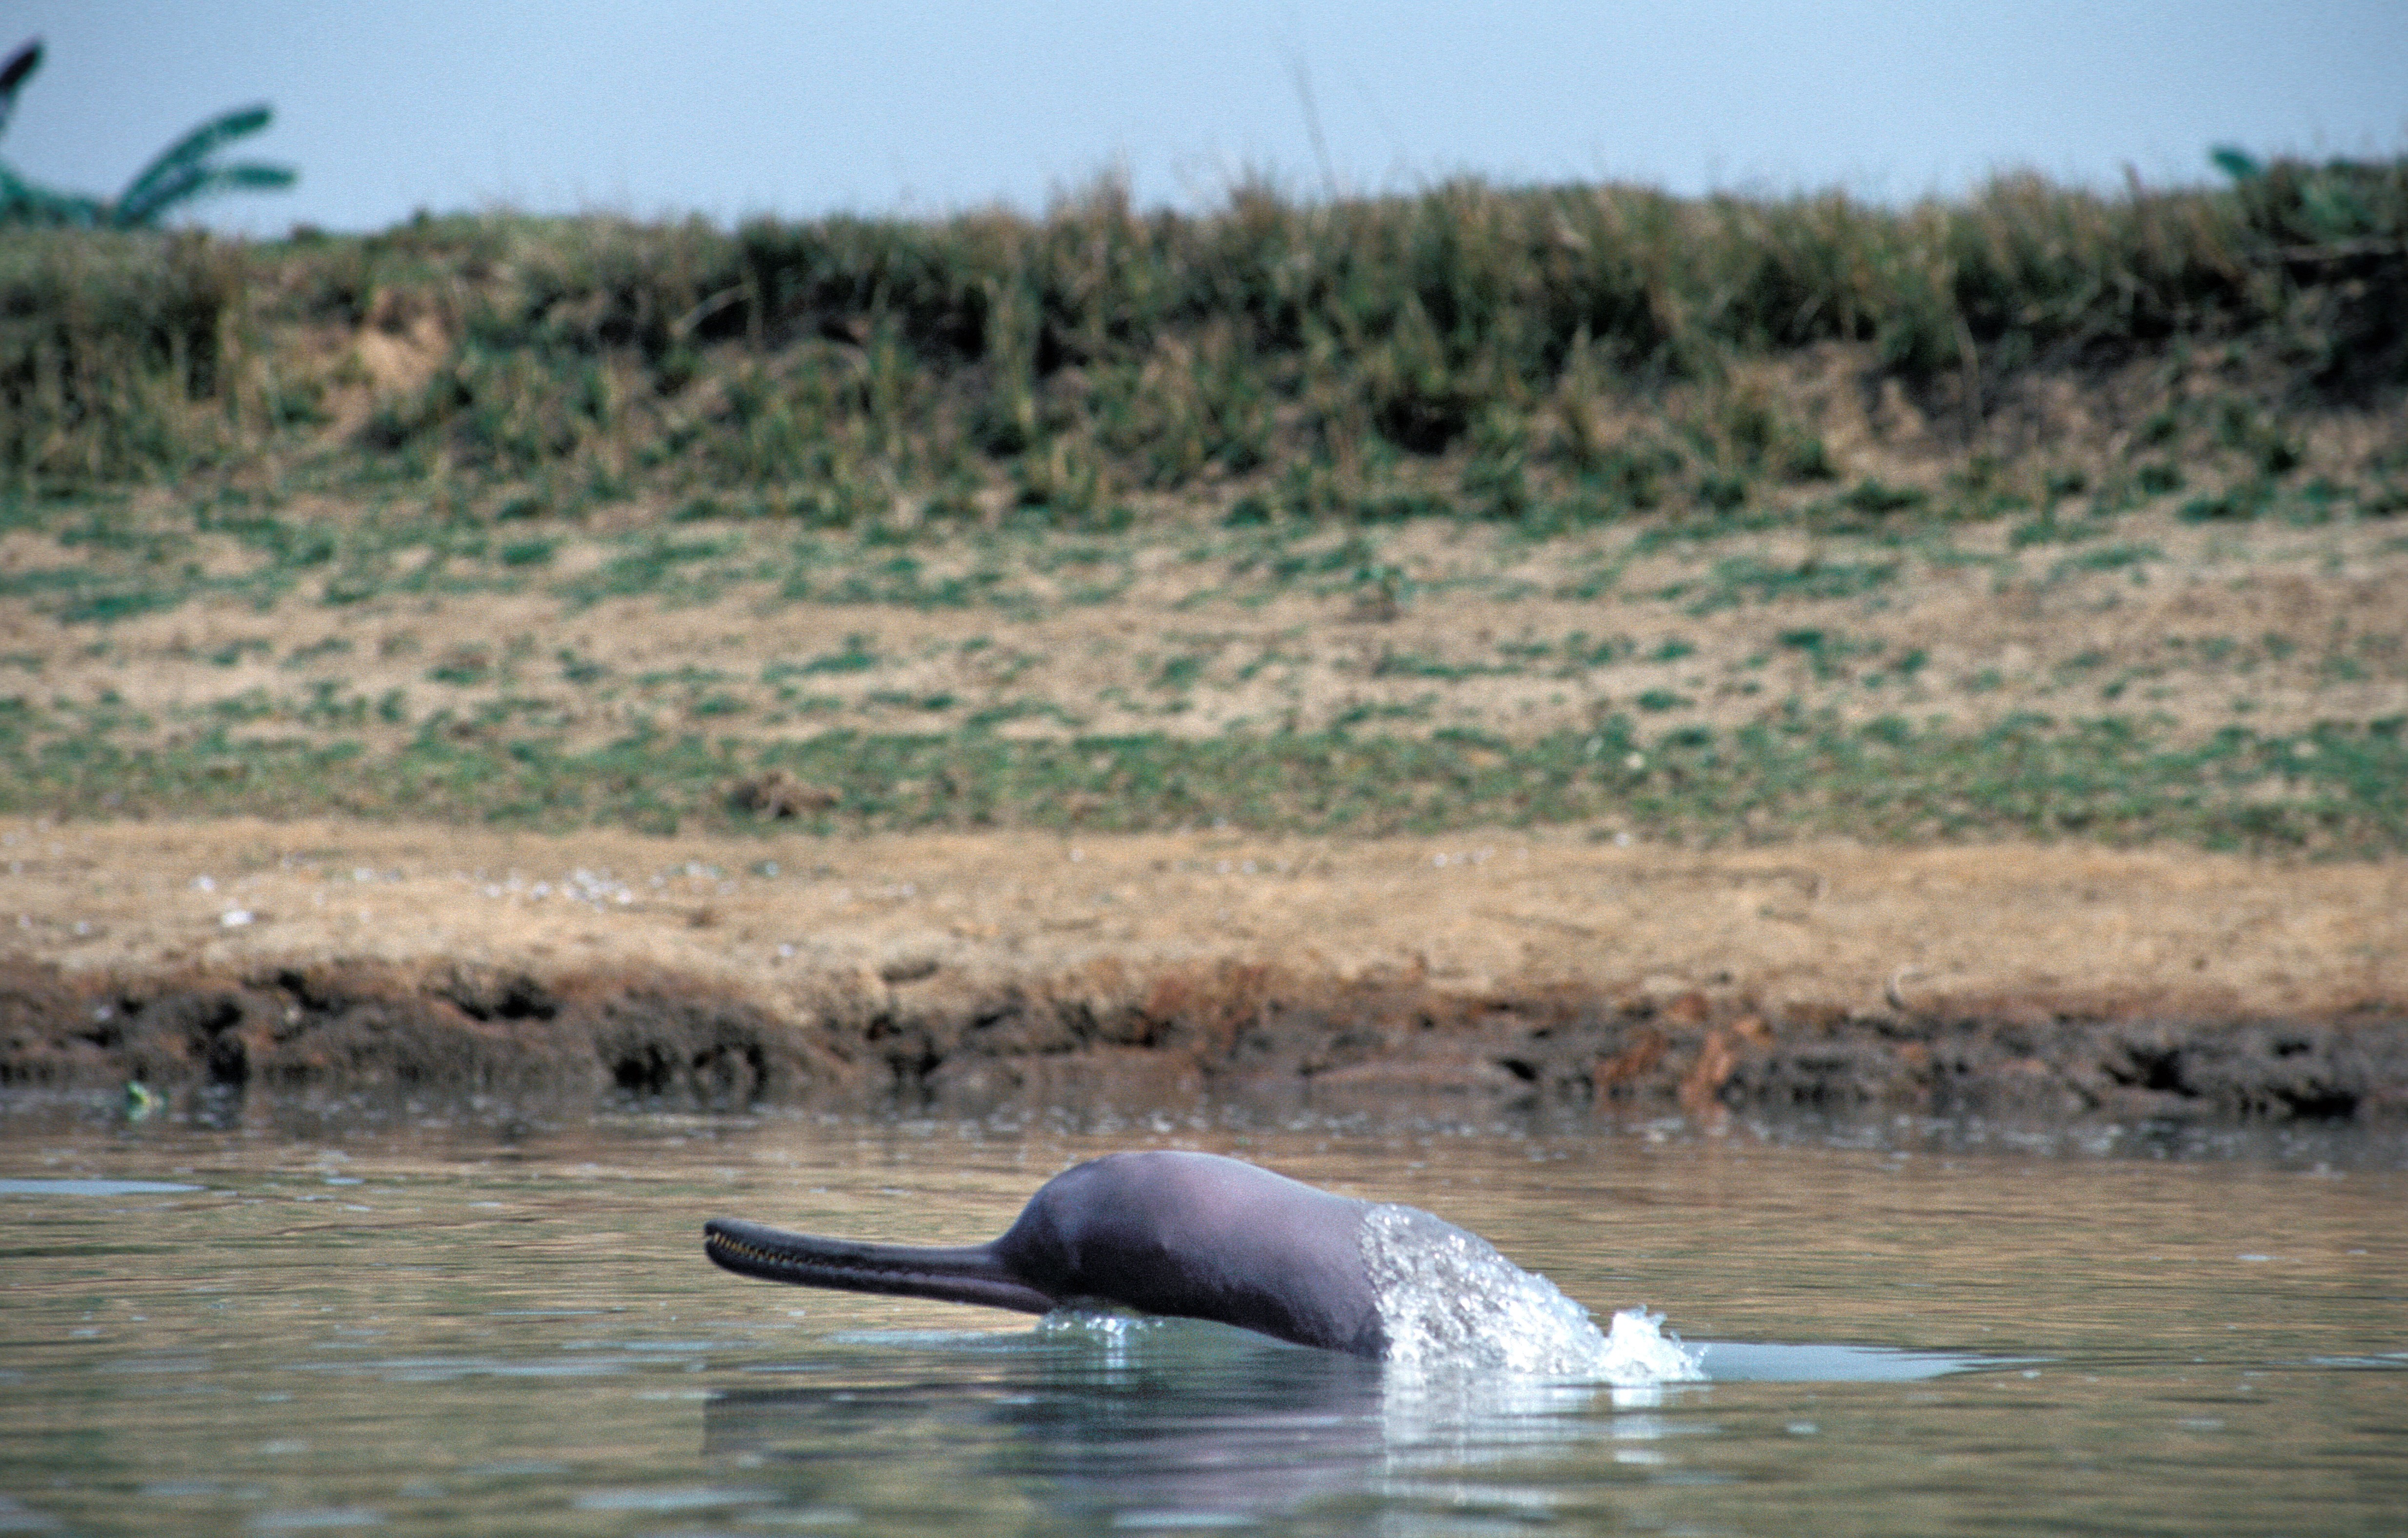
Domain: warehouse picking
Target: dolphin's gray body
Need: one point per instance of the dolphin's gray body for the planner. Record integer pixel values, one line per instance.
(1193, 1235)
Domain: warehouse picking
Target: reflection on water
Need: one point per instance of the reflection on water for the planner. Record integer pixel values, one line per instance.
(90, 1187)
(1175, 1423)
(1750, 1362)
(439, 1331)
(1189, 1417)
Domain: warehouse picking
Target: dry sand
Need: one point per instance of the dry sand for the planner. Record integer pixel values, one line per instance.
(1827, 924)
(1505, 963)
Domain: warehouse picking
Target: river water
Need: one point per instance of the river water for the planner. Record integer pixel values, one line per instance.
(402, 1324)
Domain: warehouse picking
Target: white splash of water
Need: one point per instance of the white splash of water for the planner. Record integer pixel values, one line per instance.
(1452, 1304)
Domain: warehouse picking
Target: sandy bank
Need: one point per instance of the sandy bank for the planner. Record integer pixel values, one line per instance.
(976, 970)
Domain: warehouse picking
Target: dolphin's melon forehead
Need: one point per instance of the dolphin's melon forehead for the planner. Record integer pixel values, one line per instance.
(1178, 1167)
(1174, 1188)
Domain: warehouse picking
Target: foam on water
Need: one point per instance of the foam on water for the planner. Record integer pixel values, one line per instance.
(1452, 1304)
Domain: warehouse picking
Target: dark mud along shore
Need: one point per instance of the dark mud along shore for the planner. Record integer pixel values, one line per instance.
(971, 971)
(1179, 1035)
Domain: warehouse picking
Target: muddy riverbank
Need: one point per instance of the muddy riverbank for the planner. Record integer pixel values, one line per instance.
(1176, 1036)
(970, 972)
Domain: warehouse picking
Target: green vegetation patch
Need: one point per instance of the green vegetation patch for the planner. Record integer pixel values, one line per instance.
(2335, 790)
(1469, 349)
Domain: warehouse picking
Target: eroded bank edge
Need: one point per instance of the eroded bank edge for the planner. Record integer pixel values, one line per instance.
(1172, 1036)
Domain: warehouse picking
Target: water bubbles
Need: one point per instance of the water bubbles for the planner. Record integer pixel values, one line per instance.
(1110, 1334)
(1098, 1325)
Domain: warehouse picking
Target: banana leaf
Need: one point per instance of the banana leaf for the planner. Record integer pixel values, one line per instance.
(2235, 162)
(189, 151)
(195, 181)
(18, 69)
(23, 202)
(177, 175)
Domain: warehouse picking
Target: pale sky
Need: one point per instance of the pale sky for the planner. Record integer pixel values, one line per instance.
(732, 107)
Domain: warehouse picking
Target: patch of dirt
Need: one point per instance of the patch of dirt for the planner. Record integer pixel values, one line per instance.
(974, 972)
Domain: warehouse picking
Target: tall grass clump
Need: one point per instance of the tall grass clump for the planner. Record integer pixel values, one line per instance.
(1334, 355)
(121, 355)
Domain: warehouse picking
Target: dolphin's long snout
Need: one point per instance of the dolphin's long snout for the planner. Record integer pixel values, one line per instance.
(968, 1274)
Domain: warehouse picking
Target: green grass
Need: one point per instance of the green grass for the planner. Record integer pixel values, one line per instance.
(2334, 790)
(1030, 417)
(1740, 580)
(1456, 352)
(856, 658)
(1828, 651)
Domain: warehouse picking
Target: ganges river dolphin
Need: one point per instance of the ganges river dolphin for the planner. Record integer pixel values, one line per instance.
(1196, 1236)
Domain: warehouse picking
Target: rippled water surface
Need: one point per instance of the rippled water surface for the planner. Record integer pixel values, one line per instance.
(394, 1326)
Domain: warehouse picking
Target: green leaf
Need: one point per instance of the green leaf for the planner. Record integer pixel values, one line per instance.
(15, 72)
(2235, 162)
(177, 175)
(23, 203)
(188, 152)
(196, 182)
(254, 176)
(20, 69)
